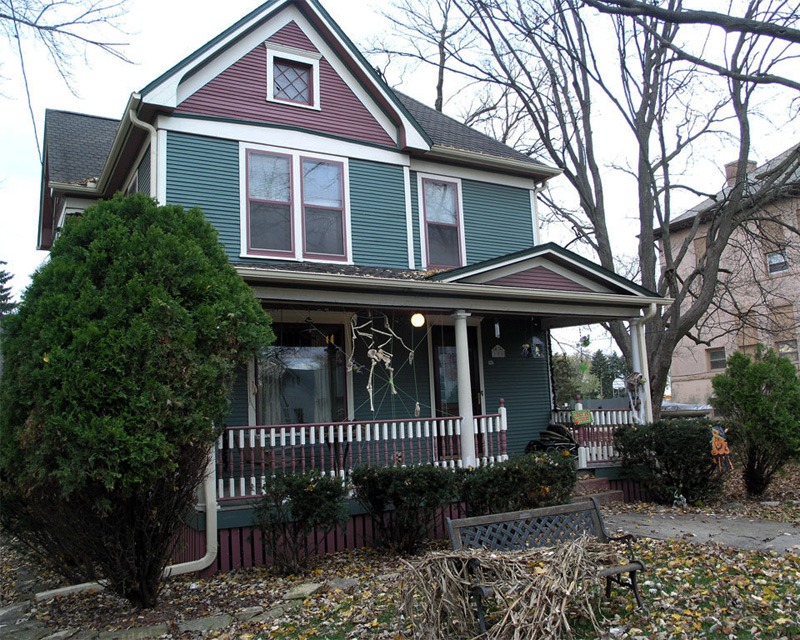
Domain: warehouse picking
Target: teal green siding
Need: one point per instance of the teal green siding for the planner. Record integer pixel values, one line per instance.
(411, 380)
(143, 183)
(415, 220)
(237, 414)
(378, 215)
(523, 382)
(204, 172)
(497, 219)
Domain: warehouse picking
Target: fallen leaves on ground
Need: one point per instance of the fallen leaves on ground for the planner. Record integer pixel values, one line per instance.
(692, 591)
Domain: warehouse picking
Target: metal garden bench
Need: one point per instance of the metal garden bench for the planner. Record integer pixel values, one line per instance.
(545, 527)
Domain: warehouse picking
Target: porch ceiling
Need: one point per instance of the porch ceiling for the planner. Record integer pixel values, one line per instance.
(341, 290)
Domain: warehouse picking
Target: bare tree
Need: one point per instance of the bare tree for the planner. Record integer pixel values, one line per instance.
(576, 75)
(430, 31)
(65, 28)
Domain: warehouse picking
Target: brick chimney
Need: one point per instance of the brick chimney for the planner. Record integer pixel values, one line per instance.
(730, 171)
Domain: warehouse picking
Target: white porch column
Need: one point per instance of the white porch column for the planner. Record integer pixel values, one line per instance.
(639, 356)
(464, 390)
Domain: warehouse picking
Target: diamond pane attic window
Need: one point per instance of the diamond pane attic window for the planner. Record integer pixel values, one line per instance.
(292, 76)
(291, 81)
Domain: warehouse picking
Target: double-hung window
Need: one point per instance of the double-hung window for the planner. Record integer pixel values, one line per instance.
(296, 206)
(777, 262)
(441, 203)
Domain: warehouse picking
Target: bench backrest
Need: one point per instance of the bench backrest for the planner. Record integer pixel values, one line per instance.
(520, 530)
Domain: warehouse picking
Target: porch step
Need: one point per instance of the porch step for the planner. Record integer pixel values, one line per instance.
(603, 497)
(591, 484)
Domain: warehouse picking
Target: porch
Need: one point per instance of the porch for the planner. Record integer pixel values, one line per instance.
(247, 455)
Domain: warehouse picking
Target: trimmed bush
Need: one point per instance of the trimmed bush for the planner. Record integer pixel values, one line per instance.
(761, 397)
(295, 514)
(671, 457)
(404, 501)
(534, 480)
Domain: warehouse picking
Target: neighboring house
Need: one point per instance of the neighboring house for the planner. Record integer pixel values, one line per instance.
(396, 249)
(759, 294)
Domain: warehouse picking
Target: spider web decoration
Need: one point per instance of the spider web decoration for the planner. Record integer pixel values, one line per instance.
(378, 340)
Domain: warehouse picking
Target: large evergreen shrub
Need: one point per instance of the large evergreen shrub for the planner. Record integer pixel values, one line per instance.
(539, 479)
(118, 364)
(671, 457)
(761, 398)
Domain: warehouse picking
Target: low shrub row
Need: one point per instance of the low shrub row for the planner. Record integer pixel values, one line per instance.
(298, 510)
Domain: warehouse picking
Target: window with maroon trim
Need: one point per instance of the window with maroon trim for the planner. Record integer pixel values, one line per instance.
(292, 81)
(269, 188)
(442, 223)
(323, 208)
(295, 206)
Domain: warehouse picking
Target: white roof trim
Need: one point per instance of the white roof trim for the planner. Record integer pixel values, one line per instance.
(182, 82)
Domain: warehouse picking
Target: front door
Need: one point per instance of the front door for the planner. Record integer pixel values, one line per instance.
(445, 371)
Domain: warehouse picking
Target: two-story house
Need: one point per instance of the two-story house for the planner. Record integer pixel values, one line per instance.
(396, 249)
(758, 299)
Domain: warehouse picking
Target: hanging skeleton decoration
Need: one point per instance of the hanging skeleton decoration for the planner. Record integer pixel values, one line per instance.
(377, 342)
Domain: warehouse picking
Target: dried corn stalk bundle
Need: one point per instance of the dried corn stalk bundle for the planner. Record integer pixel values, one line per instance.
(537, 592)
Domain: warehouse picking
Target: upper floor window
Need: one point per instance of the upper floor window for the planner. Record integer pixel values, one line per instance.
(292, 76)
(444, 230)
(716, 358)
(296, 206)
(777, 262)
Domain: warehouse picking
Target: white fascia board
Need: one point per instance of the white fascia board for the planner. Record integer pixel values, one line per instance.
(220, 57)
(435, 293)
(414, 139)
(466, 173)
(288, 139)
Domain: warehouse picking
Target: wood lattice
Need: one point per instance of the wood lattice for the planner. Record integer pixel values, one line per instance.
(541, 531)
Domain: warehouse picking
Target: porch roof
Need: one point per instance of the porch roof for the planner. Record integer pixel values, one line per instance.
(577, 292)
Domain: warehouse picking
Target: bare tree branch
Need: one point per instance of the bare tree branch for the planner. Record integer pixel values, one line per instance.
(731, 24)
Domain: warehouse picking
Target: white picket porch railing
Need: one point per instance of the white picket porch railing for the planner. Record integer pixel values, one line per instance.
(596, 440)
(246, 456)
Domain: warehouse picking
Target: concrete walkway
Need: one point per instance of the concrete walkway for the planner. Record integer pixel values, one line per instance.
(741, 533)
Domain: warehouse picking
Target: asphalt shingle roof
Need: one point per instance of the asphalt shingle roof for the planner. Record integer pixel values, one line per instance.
(448, 132)
(754, 178)
(77, 145)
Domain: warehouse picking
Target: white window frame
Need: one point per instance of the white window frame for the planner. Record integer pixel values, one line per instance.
(423, 218)
(711, 360)
(784, 265)
(297, 253)
(299, 56)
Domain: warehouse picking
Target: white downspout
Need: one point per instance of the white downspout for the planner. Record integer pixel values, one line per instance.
(210, 499)
(153, 145)
(639, 356)
(210, 493)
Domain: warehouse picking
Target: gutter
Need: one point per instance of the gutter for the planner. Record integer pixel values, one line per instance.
(448, 153)
(210, 497)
